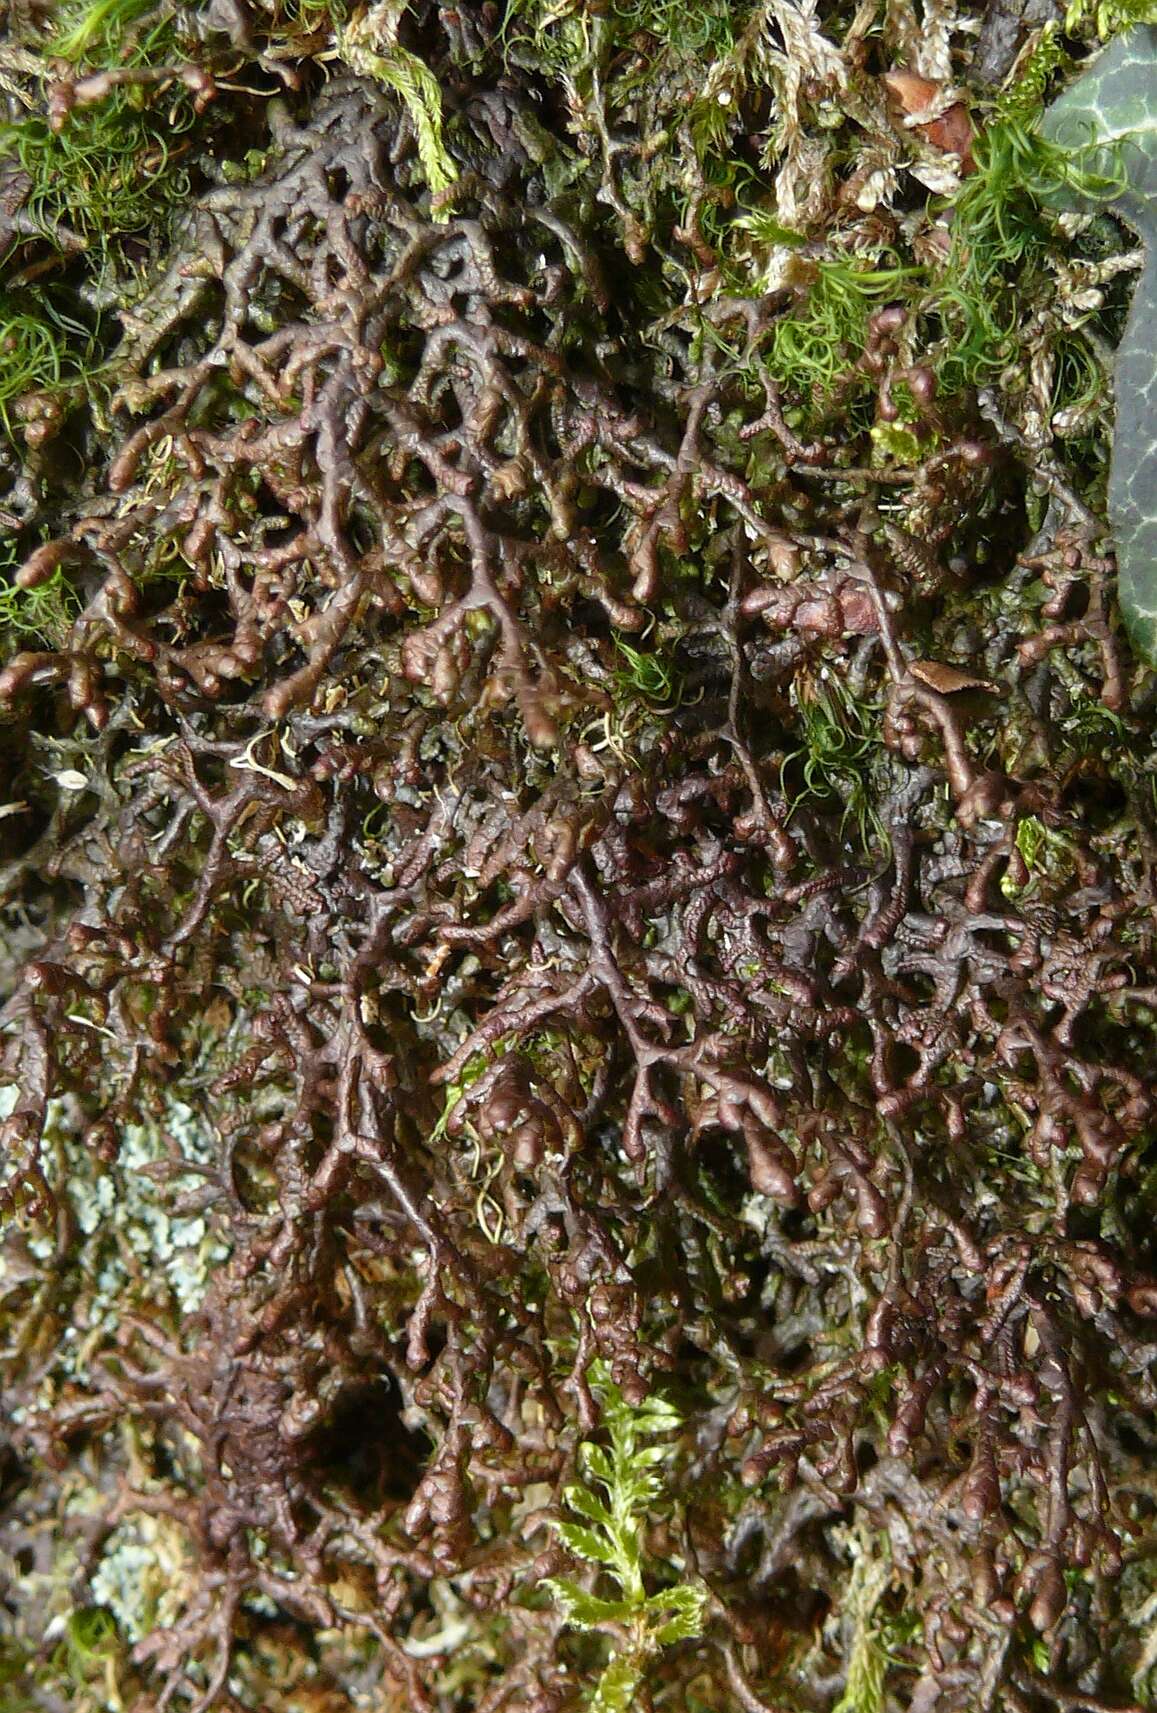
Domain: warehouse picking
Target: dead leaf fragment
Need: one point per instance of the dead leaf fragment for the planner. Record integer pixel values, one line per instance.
(947, 679)
(950, 130)
(910, 92)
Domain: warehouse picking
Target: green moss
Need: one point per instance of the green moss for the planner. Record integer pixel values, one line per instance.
(813, 348)
(648, 674)
(39, 617)
(113, 165)
(842, 745)
(90, 1646)
(999, 236)
(622, 1491)
(369, 45)
(46, 355)
(85, 31)
(1108, 17)
(868, 1658)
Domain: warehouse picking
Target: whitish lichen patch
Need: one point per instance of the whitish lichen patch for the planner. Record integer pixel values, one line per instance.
(142, 1575)
(130, 1248)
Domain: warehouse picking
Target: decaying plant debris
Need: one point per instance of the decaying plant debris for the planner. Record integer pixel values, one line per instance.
(578, 831)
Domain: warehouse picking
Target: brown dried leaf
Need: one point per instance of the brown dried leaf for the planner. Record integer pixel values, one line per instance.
(950, 130)
(912, 93)
(947, 679)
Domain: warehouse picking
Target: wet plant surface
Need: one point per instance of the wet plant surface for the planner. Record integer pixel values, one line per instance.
(576, 858)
